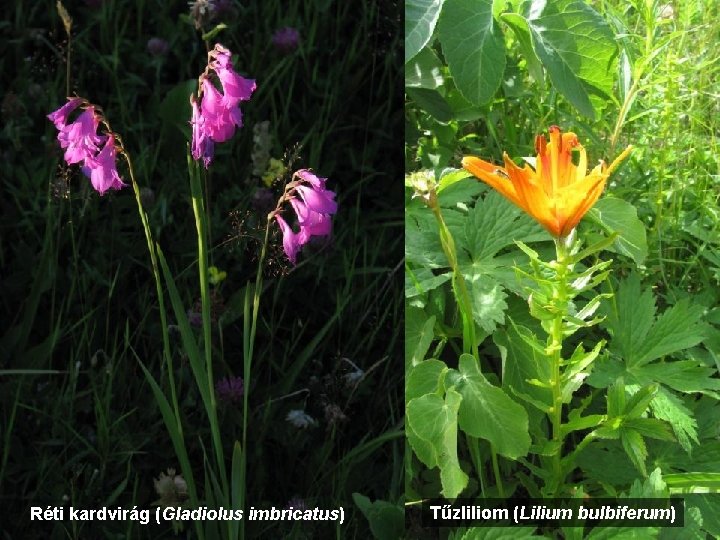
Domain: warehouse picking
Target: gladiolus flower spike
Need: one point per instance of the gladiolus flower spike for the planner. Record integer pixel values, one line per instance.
(313, 205)
(557, 193)
(81, 143)
(215, 114)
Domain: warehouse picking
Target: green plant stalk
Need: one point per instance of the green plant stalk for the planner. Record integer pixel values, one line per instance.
(459, 286)
(555, 350)
(179, 439)
(198, 204)
(158, 288)
(462, 296)
(248, 346)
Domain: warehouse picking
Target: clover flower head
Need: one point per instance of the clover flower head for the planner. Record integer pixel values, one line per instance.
(230, 389)
(157, 46)
(313, 204)
(215, 113)
(81, 143)
(286, 39)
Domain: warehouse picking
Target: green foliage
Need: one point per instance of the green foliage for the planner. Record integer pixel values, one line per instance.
(640, 334)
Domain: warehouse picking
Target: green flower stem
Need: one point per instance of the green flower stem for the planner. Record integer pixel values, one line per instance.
(459, 286)
(248, 346)
(158, 288)
(201, 222)
(555, 349)
(462, 295)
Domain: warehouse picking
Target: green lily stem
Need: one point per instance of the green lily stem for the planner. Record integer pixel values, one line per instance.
(555, 347)
(460, 287)
(464, 301)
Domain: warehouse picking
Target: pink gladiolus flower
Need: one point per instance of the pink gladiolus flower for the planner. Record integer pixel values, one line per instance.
(220, 121)
(80, 139)
(101, 169)
(313, 204)
(59, 117)
(82, 144)
(217, 114)
(291, 240)
(202, 145)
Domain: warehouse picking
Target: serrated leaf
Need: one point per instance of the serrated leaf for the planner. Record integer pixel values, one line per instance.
(577, 48)
(435, 421)
(488, 302)
(640, 401)
(670, 408)
(651, 487)
(650, 427)
(420, 19)
(473, 47)
(489, 413)
(494, 224)
(619, 216)
(634, 446)
(678, 328)
(424, 71)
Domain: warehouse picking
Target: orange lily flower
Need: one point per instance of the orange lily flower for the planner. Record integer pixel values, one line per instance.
(557, 193)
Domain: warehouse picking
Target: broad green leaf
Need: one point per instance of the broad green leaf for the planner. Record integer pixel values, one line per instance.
(519, 25)
(473, 47)
(435, 421)
(418, 335)
(619, 216)
(424, 378)
(452, 176)
(524, 360)
(577, 48)
(424, 71)
(420, 19)
(432, 102)
(458, 194)
(487, 412)
(387, 520)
